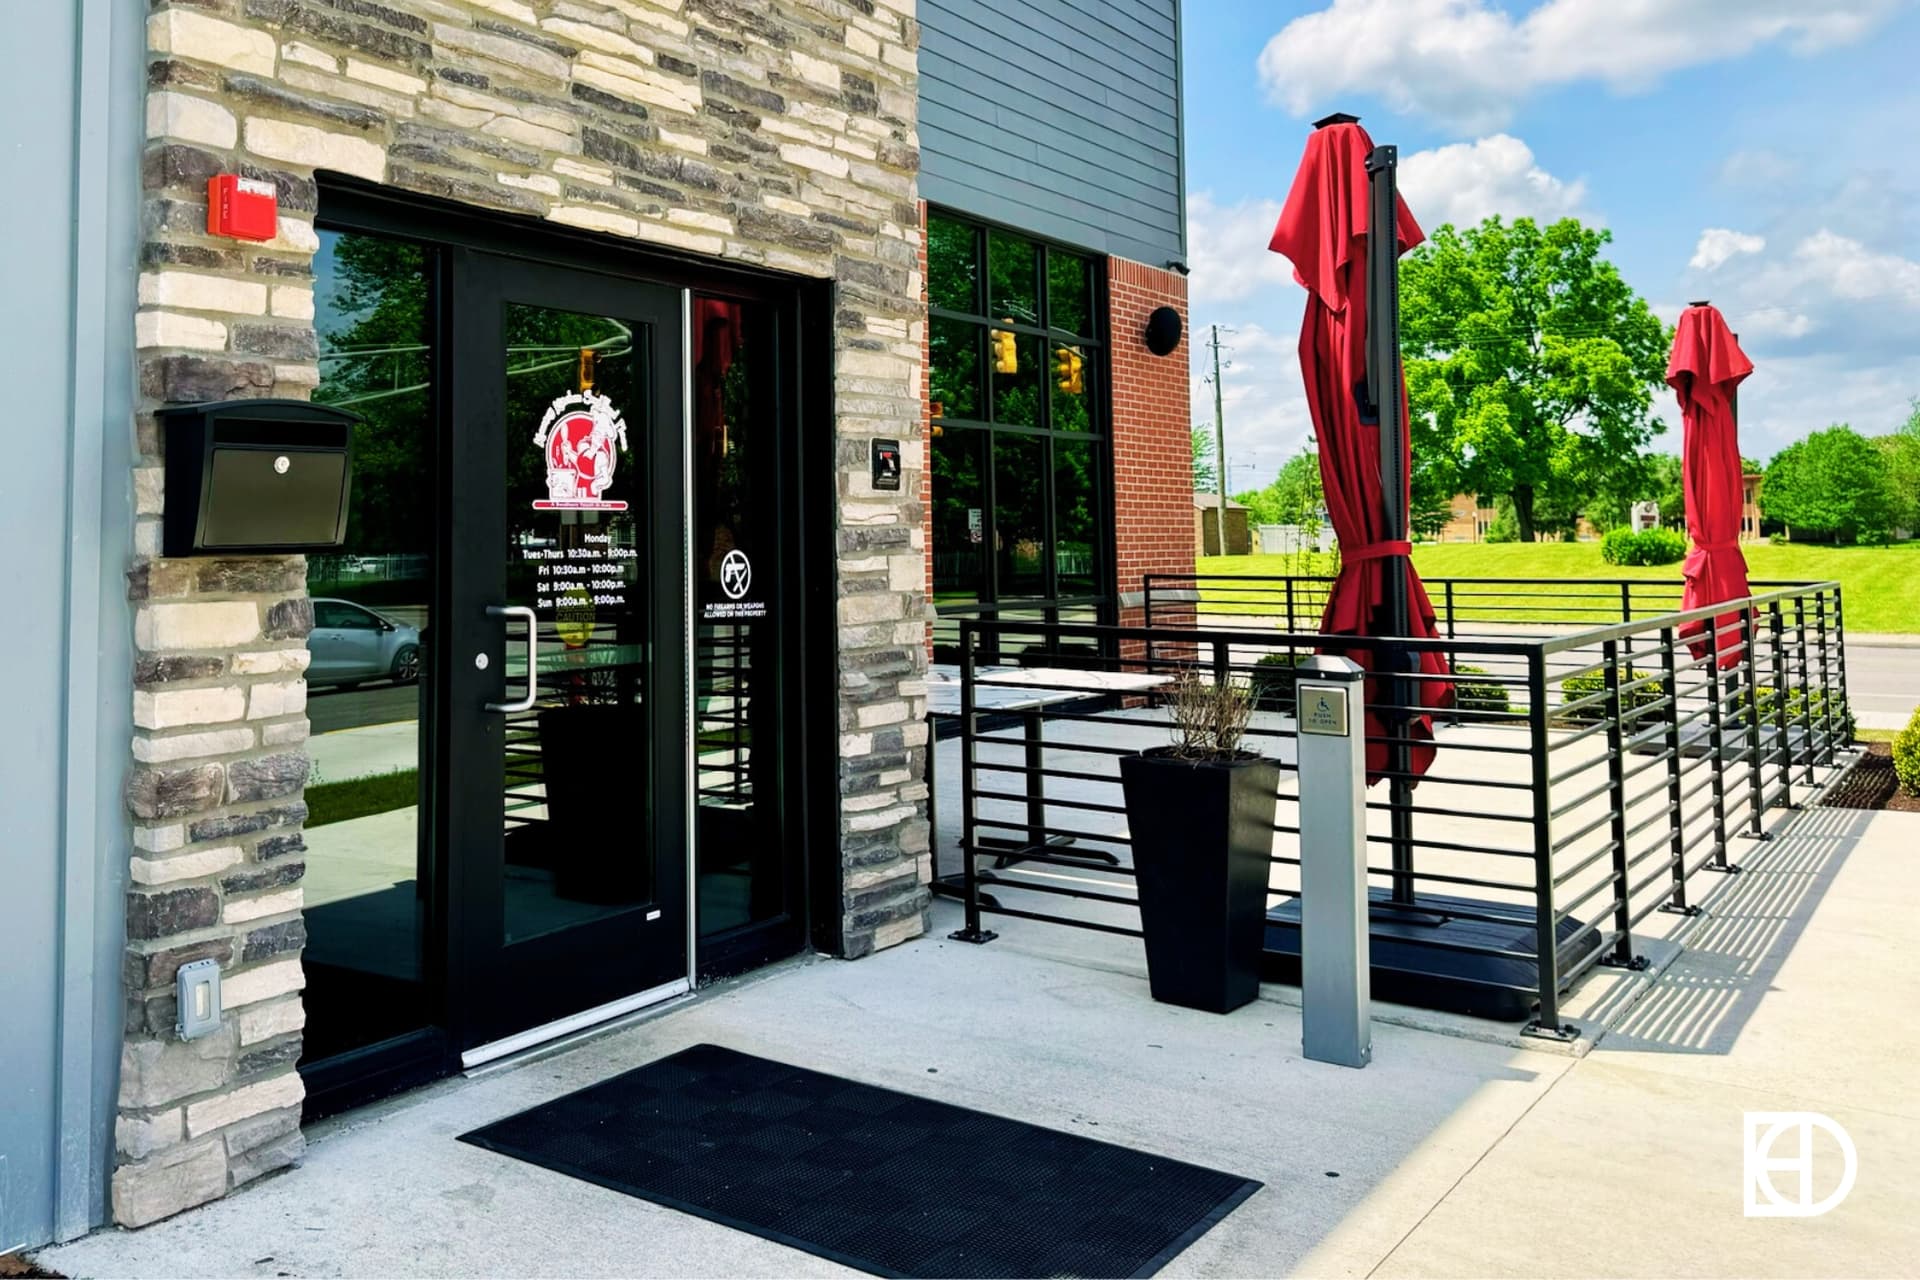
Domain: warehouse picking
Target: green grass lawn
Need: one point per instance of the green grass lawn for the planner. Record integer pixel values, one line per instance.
(1881, 584)
(329, 802)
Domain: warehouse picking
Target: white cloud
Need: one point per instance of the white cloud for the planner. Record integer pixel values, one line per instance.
(1832, 324)
(1719, 245)
(1227, 249)
(1263, 402)
(1819, 285)
(1776, 322)
(1468, 61)
(1855, 273)
(1464, 182)
(1788, 396)
(1759, 168)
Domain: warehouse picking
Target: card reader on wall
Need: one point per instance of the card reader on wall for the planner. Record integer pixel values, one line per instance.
(256, 477)
(886, 464)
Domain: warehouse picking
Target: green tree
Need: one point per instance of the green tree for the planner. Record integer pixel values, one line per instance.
(1205, 474)
(1531, 365)
(1292, 497)
(1654, 477)
(374, 360)
(1830, 486)
(1902, 450)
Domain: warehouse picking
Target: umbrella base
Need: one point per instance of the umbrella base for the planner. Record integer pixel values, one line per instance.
(1415, 961)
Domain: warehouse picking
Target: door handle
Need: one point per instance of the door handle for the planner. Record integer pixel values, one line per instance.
(504, 611)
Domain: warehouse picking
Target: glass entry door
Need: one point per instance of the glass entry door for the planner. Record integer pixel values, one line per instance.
(567, 713)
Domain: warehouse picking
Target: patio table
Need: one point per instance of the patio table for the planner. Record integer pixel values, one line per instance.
(1026, 691)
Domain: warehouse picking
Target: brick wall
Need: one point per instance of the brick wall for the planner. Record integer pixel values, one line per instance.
(1152, 444)
(782, 136)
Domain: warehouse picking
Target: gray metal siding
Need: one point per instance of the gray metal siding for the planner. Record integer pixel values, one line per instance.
(70, 101)
(1060, 118)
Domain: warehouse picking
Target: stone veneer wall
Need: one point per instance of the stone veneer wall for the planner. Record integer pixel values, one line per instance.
(777, 135)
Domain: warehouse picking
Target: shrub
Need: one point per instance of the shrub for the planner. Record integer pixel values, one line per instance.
(1906, 756)
(1478, 695)
(1654, 546)
(1632, 698)
(1271, 683)
(1800, 703)
(1209, 720)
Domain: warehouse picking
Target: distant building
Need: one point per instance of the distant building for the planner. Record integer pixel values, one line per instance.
(1206, 529)
(1468, 520)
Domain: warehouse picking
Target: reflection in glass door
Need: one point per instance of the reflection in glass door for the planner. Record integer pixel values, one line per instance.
(368, 856)
(578, 554)
(744, 864)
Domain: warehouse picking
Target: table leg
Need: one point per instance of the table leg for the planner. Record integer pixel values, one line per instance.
(954, 883)
(1037, 840)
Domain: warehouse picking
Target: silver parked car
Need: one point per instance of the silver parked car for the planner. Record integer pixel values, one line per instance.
(350, 643)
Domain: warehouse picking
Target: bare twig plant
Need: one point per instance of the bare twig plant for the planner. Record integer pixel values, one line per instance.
(1209, 720)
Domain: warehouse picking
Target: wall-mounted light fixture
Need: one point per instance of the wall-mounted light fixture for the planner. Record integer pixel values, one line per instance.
(1163, 330)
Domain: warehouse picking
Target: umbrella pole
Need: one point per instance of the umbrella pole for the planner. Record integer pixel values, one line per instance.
(1383, 379)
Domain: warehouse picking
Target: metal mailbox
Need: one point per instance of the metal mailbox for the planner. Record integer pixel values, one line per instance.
(256, 476)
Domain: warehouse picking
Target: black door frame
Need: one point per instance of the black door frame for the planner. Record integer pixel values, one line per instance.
(805, 309)
(506, 995)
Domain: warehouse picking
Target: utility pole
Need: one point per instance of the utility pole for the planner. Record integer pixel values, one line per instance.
(1219, 445)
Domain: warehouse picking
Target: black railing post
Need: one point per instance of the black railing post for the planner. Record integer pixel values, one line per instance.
(1546, 936)
(1756, 786)
(1840, 660)
(972, 932)
(1626, 615)
(1222, 668)
(1782, 716)
(1617, 798)
(1826, 678)
(1449, 588)
(1717, 743)
(1677, 841)
(1290, 626)
(1806, 748)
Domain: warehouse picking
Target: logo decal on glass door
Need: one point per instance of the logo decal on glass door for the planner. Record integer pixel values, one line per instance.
(581, 436)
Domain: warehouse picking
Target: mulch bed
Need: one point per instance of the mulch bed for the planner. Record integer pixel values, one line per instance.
(1871, 784)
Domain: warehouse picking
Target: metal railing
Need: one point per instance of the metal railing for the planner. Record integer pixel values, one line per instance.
(1461, 606)
(1583, 779)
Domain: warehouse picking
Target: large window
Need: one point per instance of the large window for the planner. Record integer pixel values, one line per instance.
(1019, 428)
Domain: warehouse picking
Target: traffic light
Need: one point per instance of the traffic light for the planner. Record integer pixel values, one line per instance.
(1006, 356)
(1067, 365)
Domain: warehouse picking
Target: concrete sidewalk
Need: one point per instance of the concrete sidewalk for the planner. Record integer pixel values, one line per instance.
(1449, 1156)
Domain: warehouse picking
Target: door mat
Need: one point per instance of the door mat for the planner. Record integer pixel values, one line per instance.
(871, 1178)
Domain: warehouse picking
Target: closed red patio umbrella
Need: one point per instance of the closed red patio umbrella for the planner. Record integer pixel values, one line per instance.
(1324, 231)
(1704, 369)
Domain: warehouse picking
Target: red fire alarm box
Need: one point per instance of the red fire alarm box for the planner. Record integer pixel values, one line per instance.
(245, 208)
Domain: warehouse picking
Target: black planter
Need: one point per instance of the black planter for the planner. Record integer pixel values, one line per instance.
(1202, 834)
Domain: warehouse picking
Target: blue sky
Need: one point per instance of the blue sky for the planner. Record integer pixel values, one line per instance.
(1760, 153)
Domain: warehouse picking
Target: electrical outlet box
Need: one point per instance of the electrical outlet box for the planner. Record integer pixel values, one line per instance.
(196, 987)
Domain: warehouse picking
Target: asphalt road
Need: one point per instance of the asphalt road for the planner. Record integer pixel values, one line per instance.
(329, 709)
(1883, 684)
